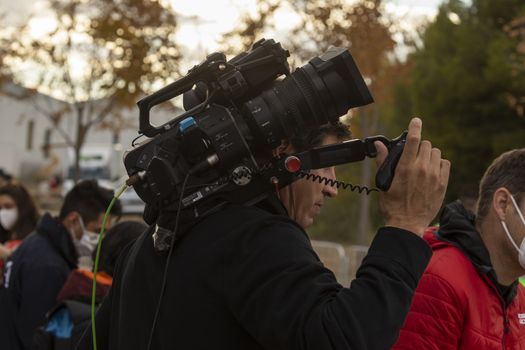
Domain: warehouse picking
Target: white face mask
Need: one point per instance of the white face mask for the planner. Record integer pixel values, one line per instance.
(89, 239)
(8, 218)
(521, 248)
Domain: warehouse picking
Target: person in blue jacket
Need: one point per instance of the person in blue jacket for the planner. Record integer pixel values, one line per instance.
(40, 266)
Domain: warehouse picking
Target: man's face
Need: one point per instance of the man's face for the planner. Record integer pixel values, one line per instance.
(73, 223)
(7, 202)
(304, 198)
(511, 231)
(96, 225)
(514, 223)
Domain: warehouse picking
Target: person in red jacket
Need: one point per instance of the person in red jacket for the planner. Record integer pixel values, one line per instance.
(469, 296)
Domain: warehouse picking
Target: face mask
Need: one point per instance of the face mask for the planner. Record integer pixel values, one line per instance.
(8, 218)
(521, 248)
(89, 239)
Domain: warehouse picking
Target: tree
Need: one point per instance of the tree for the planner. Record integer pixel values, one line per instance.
(100, 57)
(367, 32)
(4, 44)
(465, 74)
(516, 30)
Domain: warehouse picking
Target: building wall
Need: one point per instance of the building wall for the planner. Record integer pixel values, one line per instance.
(21, 154)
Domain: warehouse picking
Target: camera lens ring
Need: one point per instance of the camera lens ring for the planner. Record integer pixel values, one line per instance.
(315, 94)
(290, 98)
(318, 84)
(313, 100)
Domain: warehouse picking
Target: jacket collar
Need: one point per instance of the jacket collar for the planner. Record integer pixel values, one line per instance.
(457, 227)
(273, 205)
(59, 237)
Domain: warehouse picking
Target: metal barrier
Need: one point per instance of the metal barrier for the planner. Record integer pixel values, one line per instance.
(343, 262)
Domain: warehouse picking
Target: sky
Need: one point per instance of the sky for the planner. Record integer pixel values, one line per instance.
(219, 16)
(221, 12)
(202, 22)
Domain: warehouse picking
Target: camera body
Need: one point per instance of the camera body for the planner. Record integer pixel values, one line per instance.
(237, 112)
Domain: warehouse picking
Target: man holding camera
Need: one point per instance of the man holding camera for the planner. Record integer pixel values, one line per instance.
(248, 278)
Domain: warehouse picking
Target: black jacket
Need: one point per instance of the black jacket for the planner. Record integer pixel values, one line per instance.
(37, 271)
(245, 278)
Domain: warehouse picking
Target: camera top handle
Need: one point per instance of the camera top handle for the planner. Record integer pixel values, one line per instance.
(229, 80)
(196, 74)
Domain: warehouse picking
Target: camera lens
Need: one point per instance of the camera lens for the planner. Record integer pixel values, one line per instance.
(319, 92)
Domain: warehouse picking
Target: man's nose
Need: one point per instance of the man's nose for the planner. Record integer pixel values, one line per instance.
(328, 189)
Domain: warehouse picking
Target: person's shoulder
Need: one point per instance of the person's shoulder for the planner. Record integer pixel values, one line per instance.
(35, 241)
(261, 220)
(251, 225)
(35, 250)
(447, 258)
(450, 277)
(450, 266)
(241, 217)
(29, 244)
(243, 212)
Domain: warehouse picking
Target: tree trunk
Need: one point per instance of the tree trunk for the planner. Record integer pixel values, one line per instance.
(364, 206)
(80, 138)
(369, 123)
(116, 136)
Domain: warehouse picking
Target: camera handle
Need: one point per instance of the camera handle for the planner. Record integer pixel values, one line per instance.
(204, 72)
(348, 152)
(385, 173)
(164, 94)
(217, 74)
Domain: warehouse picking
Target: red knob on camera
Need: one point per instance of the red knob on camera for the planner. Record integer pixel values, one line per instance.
(292, 164)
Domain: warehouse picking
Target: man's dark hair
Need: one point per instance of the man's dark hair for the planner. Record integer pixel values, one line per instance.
(27, 211)
(115, 240)
(4, 176)
(468, 196)
(314, 138)
(89, 200)
(508, 170)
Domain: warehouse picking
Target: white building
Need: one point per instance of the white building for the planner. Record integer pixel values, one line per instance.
(23, 134)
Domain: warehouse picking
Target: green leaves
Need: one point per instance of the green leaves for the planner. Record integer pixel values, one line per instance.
(465, 78)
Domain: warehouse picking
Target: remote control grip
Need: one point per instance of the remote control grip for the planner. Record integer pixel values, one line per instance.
(386, 171)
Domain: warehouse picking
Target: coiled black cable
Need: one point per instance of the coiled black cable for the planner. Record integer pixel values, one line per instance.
(335, 183)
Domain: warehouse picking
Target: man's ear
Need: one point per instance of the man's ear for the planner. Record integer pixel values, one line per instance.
(70, 218)
(501, 202)
(284, 148)
(71, 222)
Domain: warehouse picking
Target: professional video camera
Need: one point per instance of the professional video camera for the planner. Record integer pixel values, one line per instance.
(220, 150)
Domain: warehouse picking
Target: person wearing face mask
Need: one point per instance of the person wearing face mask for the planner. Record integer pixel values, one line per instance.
(469, 296)
(41, 264)
(87, 244)
(68, 319)
(18, 218)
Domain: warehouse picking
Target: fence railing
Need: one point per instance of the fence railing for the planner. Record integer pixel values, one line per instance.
(342, 260)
